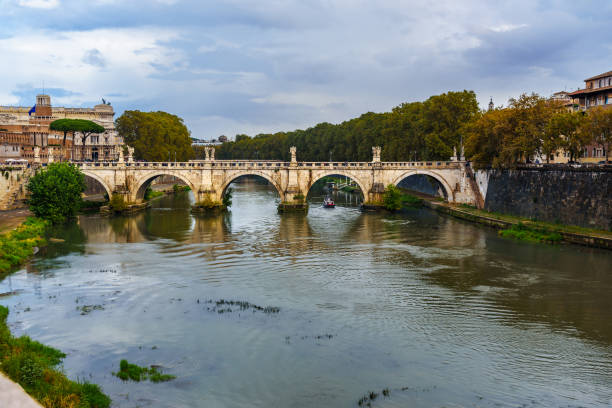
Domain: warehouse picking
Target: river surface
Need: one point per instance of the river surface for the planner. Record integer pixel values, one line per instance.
(440, 312)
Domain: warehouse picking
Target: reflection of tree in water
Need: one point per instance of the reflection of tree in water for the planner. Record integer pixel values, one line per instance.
(572, 292)
(73, 237)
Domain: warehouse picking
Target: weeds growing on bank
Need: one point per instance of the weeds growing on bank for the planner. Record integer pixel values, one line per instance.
(523, 232)
(18, 245)
(128, 371)
(34, 366)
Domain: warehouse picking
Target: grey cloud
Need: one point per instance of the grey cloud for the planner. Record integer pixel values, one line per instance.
(94, 58)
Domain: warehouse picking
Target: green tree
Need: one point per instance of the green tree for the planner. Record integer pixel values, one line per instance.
(55, 192)
(64, 125)
(485, 138)
(598, 126)
(86, 128)
(412, 131)
(392, 198)
(155, 136)
(565, 131)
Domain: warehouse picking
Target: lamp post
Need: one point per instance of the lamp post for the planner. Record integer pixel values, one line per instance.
(330, 155)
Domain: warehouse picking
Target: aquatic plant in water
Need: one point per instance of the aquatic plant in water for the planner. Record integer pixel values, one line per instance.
(128, 371)
(225, 306)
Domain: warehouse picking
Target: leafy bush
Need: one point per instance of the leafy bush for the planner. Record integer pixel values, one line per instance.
(55, 192)
(33, 366)
(117, 202)
(227, 198)
(392, 198)
(178, 188)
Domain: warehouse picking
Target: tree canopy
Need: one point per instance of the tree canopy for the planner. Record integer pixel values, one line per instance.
(85, 127)
(155, 136)
(411, 131)
(55, 192)
(531, 126)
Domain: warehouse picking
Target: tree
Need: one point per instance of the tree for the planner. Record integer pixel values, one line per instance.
(392, 198)
(412, 131)
(155, 136)
(486, 136)
(55, 192)
(564, 130)
(64, 125)
(598, 125)
(86, 128)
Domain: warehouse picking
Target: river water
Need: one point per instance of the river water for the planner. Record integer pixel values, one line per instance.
(440, 312)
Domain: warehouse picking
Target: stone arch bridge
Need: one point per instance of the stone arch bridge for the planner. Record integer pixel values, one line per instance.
(293, 180)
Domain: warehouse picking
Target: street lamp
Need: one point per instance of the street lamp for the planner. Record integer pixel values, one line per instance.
(330, 155)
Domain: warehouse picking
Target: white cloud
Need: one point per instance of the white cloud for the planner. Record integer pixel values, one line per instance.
(40, 4)
(131, 56)
(503, 28)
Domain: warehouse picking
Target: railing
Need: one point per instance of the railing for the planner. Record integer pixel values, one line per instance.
(261, 164)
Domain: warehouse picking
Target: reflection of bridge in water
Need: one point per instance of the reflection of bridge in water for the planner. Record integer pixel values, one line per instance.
(292, 180)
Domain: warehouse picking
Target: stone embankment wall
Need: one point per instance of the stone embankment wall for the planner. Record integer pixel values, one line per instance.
(563, 194)
(12, 187)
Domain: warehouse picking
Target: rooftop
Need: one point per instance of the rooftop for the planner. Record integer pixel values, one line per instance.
(605, 74)
(590, 90)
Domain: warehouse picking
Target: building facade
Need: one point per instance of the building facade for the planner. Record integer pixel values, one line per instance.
(597, 92)
(25, 133)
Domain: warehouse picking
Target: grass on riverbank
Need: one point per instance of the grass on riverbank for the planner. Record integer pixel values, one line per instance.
(523, 232)
(136, 373)
(34, 366)
(542, 225)
(18, 245)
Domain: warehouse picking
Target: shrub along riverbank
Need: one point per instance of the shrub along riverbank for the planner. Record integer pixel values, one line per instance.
(34, 366)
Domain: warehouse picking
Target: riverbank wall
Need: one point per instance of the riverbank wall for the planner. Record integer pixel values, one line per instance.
(558, 194)
(591, 240)
(13, 187)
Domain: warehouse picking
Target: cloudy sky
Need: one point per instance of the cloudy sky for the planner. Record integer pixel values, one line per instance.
(242, 66)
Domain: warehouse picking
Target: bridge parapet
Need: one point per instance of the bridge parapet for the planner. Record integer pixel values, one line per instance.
(261, 164)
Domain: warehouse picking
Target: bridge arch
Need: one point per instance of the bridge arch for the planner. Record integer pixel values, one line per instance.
(449, 191)
(320, 175)
(144, 181)
(100, 180)
(261, 174)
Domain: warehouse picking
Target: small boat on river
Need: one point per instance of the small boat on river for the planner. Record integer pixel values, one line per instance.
(328, 203)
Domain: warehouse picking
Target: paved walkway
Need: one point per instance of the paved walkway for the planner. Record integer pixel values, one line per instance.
(13, 396)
